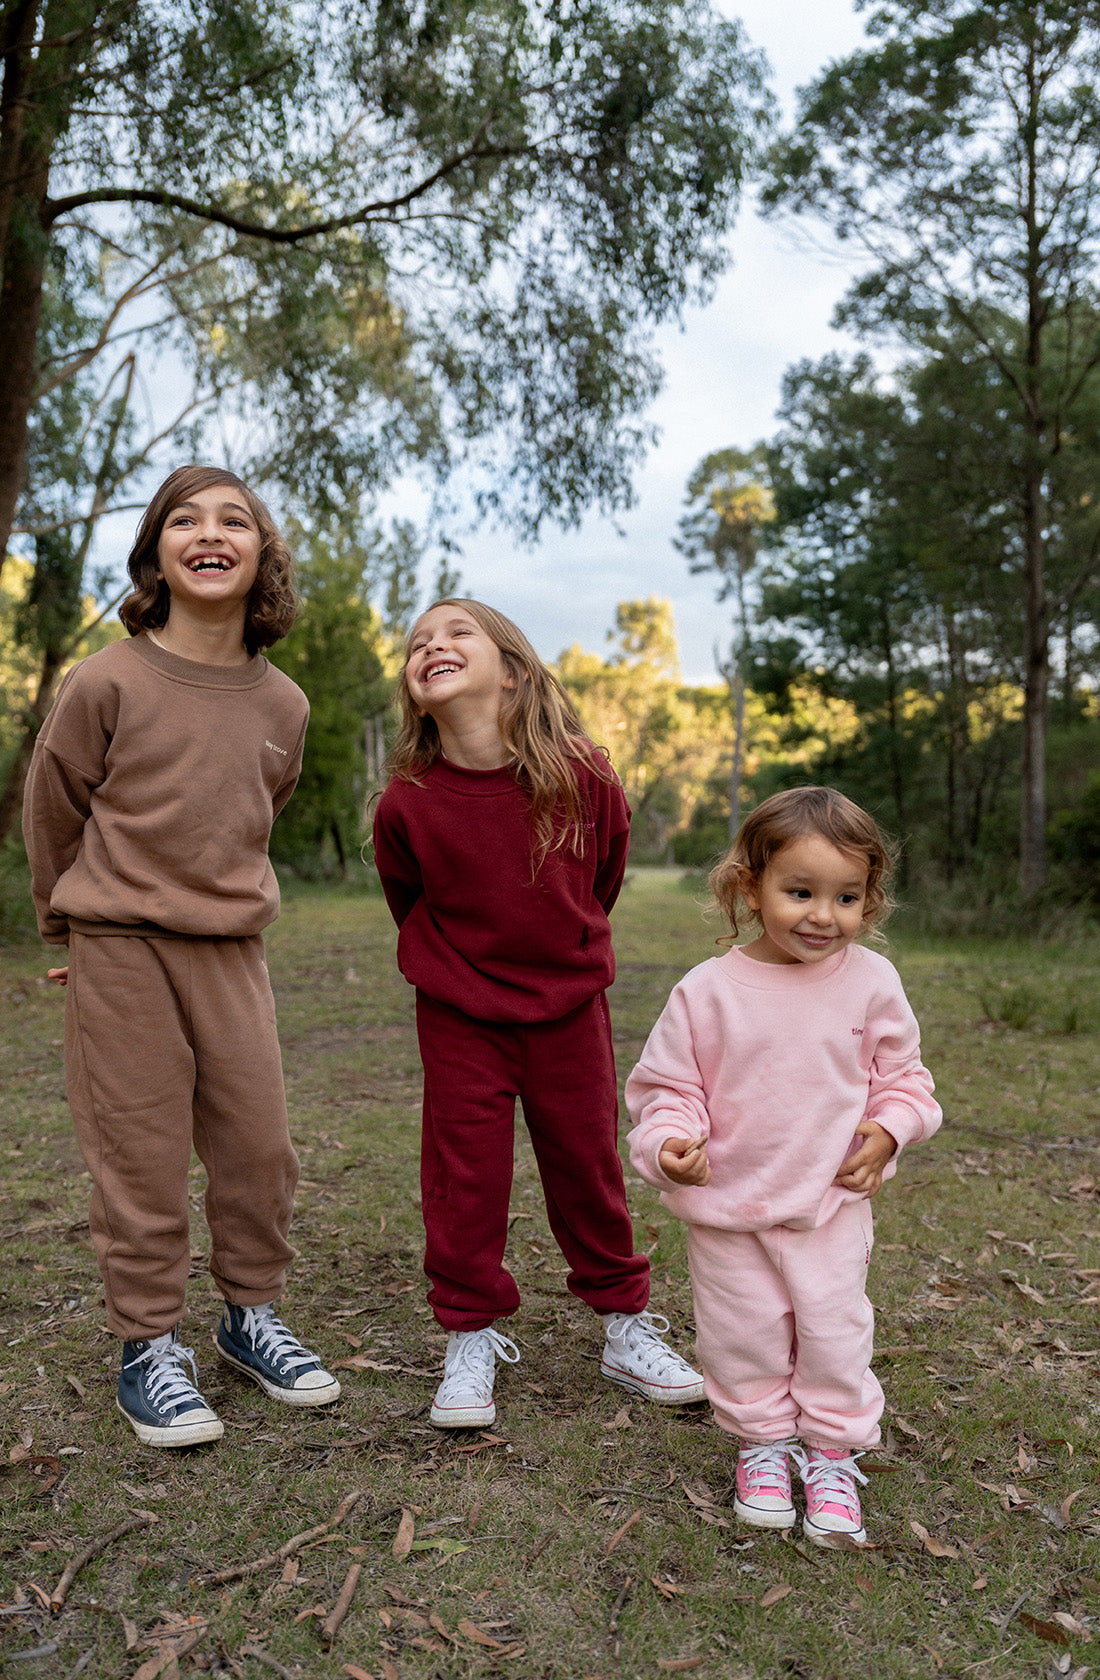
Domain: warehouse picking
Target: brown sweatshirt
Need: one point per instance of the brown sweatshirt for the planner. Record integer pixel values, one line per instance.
(152, 791)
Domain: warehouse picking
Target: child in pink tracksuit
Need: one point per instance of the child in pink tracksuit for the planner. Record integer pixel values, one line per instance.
(771, 1100)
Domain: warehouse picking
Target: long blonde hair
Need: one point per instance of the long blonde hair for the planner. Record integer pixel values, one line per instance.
(538, 724)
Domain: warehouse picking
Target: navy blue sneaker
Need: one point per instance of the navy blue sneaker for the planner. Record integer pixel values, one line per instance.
(158, 1399)
(257, 1344)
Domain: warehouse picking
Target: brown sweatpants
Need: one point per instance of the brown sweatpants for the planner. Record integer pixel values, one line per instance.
(169, 1041)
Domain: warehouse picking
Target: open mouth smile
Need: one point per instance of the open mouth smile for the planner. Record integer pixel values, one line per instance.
(207, 563)
(434, 671)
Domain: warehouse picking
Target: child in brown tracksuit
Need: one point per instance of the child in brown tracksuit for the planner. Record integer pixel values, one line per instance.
(148, 809)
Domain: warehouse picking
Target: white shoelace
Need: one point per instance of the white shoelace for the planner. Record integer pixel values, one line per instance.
(471, 1360)
(167, 1383)
(831, 1478)
(767, 1462)
(641, 1333)
(271, 1336)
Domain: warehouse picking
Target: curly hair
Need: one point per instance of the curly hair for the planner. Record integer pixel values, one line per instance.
(788, 816)
(538, 723)
(272, 604)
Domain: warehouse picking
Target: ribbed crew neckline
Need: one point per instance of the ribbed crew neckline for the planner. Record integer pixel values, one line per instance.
(782, 977)
(195, 671)
(477, 783)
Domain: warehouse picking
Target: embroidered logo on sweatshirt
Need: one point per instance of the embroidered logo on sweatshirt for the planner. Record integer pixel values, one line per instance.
(274, 748)
(857, 1032)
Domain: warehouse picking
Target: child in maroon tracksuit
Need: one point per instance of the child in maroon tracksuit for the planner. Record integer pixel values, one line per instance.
(501, 841)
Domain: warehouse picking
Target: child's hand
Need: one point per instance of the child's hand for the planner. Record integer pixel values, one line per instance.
(684, 1160)
(61, 975)
(862, 1172)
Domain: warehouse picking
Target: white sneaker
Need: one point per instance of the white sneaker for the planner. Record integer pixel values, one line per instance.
(464, 1399)
(635, 1356)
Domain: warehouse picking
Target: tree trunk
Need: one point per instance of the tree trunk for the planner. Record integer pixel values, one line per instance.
(25, 147)
(21, 307)
(1033, 804)
(1033, 769)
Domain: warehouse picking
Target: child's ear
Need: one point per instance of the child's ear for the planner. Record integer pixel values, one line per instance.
(748, 888)
(512, 673)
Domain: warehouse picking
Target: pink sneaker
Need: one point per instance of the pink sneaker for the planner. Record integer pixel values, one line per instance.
(763, 1487)
(830, 1475)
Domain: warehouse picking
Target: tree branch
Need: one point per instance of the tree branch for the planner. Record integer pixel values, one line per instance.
(54, 209)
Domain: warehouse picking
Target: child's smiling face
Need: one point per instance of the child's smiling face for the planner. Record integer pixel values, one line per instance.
(810, 899)
(209, 548)
(452, 659)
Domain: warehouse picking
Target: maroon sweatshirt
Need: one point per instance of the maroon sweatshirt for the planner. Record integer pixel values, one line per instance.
(479, 929)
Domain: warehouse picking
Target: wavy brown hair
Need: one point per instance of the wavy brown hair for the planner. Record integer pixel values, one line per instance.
(272, 605)
(539, 726)
(789, 816)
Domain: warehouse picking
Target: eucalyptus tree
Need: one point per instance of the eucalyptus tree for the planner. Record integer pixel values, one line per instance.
(961, 150)
(730, 506)
(374, 233)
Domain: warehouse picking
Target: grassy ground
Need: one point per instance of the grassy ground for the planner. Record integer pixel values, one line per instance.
(586, 1535)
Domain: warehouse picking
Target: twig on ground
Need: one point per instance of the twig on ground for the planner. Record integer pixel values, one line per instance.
(330, 1627)
(76, 1564)
(238, 1571)
(617, 1608)
(1009, 1615)
(261, 1656)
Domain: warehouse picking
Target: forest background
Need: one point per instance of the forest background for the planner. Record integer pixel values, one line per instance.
(438, 239)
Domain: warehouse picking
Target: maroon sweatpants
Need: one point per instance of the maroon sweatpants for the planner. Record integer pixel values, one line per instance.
(169, 1041)
(564, 1074)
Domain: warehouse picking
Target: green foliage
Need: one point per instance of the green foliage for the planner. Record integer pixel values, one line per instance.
(381, 234)
(665, 739)
(337, 653)
(962, 150)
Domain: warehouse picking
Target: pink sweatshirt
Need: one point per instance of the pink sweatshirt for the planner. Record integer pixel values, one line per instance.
(776, 1064)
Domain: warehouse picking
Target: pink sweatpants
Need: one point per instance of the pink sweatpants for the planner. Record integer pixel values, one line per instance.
(785, 1330)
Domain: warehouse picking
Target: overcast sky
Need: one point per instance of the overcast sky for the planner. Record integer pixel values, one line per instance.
(723, 375)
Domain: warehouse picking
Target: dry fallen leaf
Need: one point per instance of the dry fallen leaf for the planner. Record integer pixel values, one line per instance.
(356, 1673)
(1067, 1504)
(1050, 1631)
(619, 1532)
(667, 1589)
(935, 1547)
(679, 1665)
(470, 1630)
(1071, 1624)
(774, 1594)
(403, 1540)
